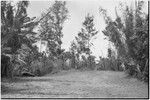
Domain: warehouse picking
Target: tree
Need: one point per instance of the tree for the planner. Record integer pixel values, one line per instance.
(74, 53)
(16, 25)
(85, 35)
(16, 28)
(51, 26)
(137, 41)
(130, 36)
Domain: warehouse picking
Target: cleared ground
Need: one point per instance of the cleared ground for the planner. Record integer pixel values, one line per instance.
(74, 84)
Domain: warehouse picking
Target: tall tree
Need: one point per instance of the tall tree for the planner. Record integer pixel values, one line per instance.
(130, 36)
(86, 34)
(51, 26)
(16, 28)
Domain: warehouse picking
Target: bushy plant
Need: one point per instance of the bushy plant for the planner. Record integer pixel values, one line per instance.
(129, 34)
(109, 64)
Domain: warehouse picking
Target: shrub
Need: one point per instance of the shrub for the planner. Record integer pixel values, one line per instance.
(67, 64)
(131, 70)
(110, 64)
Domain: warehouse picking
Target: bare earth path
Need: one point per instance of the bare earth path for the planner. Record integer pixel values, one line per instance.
(74, 84)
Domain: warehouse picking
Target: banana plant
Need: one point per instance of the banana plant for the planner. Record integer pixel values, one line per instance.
(16, 27)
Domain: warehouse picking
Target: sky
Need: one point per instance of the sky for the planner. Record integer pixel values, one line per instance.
(78, 9)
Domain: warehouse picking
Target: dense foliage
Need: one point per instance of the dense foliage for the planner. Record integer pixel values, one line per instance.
(83, 43)
(130, 37)
(51, 27)
(19, 52)
(16, 29)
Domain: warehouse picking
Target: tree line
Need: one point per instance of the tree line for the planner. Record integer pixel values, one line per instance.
(128, 33)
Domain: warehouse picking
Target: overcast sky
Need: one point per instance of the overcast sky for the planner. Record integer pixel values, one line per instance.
(78, 9)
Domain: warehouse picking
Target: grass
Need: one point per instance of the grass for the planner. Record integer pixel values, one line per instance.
(72, 84)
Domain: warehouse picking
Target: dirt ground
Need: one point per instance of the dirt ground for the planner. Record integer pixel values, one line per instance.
(76, 84)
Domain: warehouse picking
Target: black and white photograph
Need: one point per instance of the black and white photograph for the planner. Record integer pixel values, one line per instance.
(75, 49)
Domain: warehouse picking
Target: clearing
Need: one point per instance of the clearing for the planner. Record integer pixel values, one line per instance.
(76, 84)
